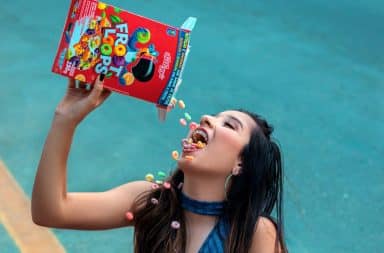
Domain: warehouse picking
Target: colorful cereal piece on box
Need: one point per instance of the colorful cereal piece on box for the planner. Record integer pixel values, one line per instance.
(120, 50)
(175, 155)
(80, 77)
(115, 19)
(149, 177)
(181, 104)
(101, 6)
(183, 122)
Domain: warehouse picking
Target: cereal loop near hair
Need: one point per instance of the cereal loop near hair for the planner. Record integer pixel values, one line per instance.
(175, 225)
(154, 201)
(129, 216)
(167, 185)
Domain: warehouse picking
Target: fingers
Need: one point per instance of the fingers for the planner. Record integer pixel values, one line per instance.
(82, 85)
(71, 83)
(97, 88)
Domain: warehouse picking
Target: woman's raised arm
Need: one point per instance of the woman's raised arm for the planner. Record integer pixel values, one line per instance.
(51, 204)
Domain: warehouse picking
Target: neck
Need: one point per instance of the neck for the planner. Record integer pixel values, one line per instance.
(203, 188)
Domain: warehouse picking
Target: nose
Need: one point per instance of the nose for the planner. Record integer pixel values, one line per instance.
(207, 120)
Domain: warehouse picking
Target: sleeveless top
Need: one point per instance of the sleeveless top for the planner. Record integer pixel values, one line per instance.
(215, 241)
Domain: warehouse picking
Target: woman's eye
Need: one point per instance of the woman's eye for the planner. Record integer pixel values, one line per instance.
(227, 124)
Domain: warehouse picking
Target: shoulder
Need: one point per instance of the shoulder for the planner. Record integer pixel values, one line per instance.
(264, 236)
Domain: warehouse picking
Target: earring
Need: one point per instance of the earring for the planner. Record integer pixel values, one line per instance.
(227, 181)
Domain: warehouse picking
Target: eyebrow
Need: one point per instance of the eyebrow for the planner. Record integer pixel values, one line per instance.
(233, 118)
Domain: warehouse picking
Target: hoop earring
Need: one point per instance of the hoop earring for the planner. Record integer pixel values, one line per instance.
(226, 184)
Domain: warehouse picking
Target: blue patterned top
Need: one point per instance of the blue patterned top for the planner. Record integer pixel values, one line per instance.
(215, 241)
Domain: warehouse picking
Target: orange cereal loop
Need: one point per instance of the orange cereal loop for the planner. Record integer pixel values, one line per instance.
(80, 77)
(108, 40)
(189, 157)
(129, 78)
(175, 155)
(120, 50)
(86, 55)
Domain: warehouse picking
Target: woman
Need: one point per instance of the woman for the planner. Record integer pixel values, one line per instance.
(219, 201)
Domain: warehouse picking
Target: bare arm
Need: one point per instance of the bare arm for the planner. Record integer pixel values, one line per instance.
(51, 204)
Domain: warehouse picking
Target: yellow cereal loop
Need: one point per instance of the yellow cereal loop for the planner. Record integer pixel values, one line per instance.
(128, 78)
(120, 50)
(149, 177)
(101, 6)
(80, 77)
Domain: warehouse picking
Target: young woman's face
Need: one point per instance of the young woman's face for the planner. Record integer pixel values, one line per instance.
(225, 135)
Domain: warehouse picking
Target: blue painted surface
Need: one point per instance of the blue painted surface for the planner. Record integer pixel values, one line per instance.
(313, 68)
(7, 244)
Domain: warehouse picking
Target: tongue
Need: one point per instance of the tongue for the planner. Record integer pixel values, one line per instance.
(189, 147)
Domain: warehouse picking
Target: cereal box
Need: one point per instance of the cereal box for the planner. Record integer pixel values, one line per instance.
(140, 57)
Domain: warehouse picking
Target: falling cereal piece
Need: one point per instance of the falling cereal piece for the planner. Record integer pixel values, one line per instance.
(181, 104)
(173, 101)
(193, 126)
(189, 157)
(149, 177)
(155, 186)
(129, 216)
(175, 225)
(187, 116)
(175, 155)
(154, 201)
(167, 185)
(161, 174)
(159, 181)
(183, 122)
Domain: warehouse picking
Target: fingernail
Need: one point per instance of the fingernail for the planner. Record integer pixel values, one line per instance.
(101, 77)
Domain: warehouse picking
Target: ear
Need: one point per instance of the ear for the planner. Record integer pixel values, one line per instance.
(237, 169)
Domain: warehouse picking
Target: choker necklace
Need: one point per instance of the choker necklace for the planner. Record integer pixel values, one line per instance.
(214, 208)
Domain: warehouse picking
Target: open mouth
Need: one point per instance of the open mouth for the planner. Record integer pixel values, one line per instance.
(198, 140)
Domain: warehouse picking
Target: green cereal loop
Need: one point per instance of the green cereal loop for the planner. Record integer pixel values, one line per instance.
(115, 19)
(106, 49)
(103, 14)
(187, 116)
(161, 174)
(117, 10)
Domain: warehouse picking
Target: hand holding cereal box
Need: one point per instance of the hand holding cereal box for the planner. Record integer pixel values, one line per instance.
(139, 57)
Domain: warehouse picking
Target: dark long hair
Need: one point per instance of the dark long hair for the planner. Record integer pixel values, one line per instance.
(255, 192)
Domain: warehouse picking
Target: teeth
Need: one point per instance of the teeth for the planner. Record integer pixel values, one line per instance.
(202, 134)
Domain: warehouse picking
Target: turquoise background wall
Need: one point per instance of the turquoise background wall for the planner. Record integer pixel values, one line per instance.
(313, 68)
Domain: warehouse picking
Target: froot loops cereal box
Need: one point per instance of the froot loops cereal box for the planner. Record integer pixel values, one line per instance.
(139, 57)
